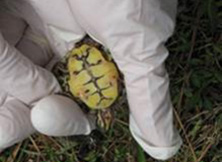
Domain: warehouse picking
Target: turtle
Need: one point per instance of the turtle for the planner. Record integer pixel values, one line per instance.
(89, 75)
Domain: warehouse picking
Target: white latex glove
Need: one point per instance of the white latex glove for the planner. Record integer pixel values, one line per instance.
(57, 115)
(135, 31)
(22, 83)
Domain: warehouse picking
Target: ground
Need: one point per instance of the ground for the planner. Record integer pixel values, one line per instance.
(195, 70)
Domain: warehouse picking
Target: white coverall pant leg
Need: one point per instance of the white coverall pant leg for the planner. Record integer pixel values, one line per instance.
(135, 31)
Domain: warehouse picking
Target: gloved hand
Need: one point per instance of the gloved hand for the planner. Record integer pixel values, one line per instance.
(135, 31)
(24, 83)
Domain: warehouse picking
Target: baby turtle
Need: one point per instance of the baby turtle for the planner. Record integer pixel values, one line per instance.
(89, 75)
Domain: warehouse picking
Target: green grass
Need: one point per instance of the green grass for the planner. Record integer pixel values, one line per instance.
(195, 69)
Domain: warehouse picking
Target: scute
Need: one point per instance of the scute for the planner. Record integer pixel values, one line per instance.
(87, 66)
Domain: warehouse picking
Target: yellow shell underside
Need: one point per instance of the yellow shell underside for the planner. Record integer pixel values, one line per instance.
(93, 79)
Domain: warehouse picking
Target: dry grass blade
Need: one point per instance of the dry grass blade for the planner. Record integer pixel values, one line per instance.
(36, 147)
(205, 151)
(12, 158)
(185, 134)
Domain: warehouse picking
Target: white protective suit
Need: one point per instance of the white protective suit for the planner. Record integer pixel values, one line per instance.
(134, 30)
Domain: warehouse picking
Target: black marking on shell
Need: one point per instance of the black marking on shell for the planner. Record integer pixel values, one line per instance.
(93, 80)
(77, 72)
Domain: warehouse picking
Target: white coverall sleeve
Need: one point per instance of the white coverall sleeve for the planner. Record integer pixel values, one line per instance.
(135, 31)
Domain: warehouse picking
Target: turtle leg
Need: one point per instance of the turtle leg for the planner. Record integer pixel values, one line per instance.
(105, 118)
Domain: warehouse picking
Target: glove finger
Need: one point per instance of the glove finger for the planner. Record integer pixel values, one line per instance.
(11, 26)
(21, 78)
(35, 47)
(60, 116)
